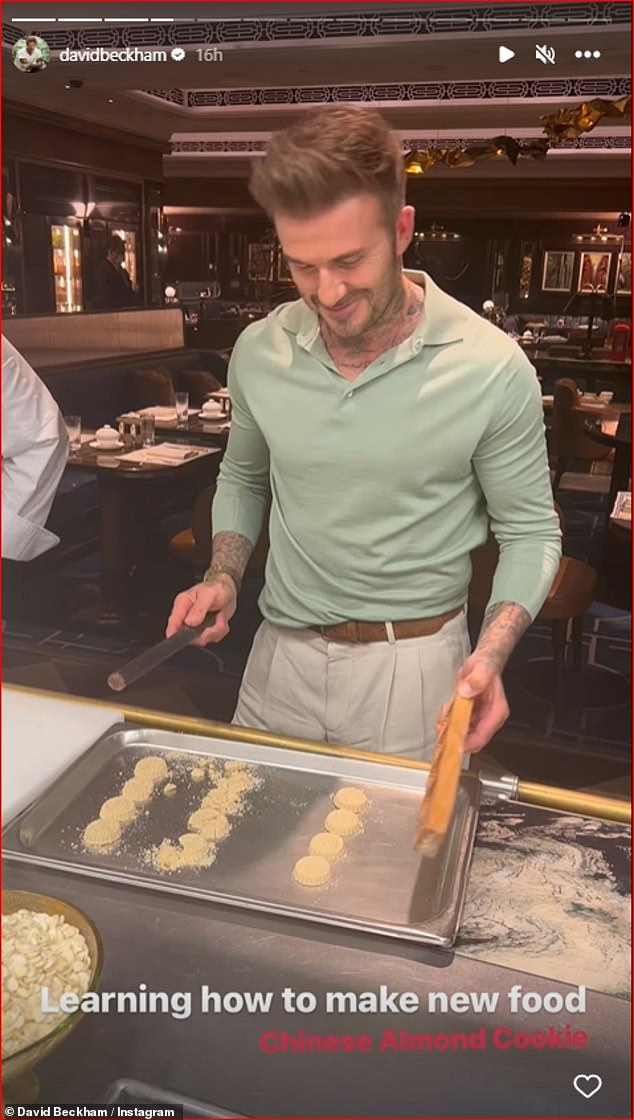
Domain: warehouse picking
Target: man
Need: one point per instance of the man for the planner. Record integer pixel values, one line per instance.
(395, 425)
(34, 455)
(112, 286)
(29, 57)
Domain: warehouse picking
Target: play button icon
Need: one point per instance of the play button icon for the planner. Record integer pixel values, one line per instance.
(504, 54)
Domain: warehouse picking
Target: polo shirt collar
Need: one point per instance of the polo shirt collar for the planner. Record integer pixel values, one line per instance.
(443, 319)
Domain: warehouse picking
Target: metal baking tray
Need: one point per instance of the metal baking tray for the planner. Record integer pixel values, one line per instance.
(127, 1092)
(381, 885)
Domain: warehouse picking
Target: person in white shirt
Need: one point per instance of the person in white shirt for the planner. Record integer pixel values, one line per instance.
(30, 56)
(34, 454)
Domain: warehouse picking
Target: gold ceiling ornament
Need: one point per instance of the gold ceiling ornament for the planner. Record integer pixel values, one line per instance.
(565, 124)
(568, 124)
(420, 160)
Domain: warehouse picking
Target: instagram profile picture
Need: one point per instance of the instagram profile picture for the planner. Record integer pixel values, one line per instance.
(31, 54)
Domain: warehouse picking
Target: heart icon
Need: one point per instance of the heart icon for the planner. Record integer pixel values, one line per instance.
(587, 1084)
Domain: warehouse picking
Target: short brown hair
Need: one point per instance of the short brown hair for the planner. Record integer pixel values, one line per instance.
(331, 154)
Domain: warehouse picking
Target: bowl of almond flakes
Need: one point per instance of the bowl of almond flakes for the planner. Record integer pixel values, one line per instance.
(50, 949)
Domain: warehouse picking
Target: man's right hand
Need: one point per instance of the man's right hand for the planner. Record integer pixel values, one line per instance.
(190, 607)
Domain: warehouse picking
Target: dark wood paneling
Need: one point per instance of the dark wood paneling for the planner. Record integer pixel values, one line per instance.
(447, 196)
(43, 140)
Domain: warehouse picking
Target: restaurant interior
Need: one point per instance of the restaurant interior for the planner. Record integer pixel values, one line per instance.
(515, 124)
(158, 154)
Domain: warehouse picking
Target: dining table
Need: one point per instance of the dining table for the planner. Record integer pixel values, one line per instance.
(197, 428)
(614, 431)
(588, 373)
(136, 487)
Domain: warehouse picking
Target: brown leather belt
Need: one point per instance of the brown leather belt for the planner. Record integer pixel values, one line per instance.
(379, 631)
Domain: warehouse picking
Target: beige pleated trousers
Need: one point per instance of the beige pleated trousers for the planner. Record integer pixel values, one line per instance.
(376, 696)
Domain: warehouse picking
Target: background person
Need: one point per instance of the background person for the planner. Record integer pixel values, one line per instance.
(395, 425)
(112, 287)
(34, 455)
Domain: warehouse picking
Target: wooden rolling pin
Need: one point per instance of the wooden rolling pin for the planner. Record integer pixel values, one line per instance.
(154, 656)
(442, 784)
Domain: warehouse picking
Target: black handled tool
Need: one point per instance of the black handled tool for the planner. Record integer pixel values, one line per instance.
(154, 656)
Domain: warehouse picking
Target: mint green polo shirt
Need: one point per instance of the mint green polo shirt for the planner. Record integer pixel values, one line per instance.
(381, 487)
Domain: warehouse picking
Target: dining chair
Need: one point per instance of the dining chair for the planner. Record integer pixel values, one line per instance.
(193, 546)
(568, 440)
(569, 599)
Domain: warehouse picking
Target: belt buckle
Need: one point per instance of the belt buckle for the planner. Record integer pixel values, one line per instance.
(323, 634)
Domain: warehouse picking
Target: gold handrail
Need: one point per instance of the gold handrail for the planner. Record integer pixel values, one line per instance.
(531, 793)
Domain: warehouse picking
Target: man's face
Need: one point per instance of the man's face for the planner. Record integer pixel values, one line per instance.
(346, 262)
(30, 46)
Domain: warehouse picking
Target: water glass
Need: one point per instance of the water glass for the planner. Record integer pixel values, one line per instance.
(182, 407)
(148, 430)
(73, 428)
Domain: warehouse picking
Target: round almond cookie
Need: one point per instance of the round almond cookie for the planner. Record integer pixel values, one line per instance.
(121, 809)
(197, 851)
(152, 767)
(343, 822)
(239, 782)
(226, 800)
(167, 857)
(210, 824)
(349, 797)
(102, 834)
(139, 790)
(311, 871)
(328, 845)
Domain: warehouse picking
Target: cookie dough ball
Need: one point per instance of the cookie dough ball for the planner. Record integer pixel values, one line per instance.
(343, 822)
(311, 871)
(101, 834)
(167, 857)
(121, 809)
(328, 845)
(169, 790)
(210, 824)
(349, 797)
(198, 774)
(197, 851)
(153, 767)
(139, 790)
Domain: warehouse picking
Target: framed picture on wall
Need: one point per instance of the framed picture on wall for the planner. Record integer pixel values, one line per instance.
(260, 262)
(594, 272)
(558, 271)
(624, 275)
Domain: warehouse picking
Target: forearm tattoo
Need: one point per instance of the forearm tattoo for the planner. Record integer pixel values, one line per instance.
(231, 549)
(503, 626)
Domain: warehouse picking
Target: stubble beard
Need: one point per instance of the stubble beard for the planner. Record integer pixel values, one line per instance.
(385, 306)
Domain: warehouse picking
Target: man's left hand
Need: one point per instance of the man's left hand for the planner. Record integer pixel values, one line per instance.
(482, 681)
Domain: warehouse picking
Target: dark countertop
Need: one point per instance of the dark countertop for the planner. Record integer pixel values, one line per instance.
(548, 896)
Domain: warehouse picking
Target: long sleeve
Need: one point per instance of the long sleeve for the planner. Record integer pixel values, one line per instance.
(34, 455)
(512, 468)
(242, 490)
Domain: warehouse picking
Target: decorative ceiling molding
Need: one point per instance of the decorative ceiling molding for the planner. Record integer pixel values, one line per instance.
(443, 20)
(395, 93)
(252, 147)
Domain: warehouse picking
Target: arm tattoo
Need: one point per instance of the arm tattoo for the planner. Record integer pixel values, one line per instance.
(232, 549)
(503, 626)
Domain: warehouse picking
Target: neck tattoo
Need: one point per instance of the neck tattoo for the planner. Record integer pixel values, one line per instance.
(399, 320)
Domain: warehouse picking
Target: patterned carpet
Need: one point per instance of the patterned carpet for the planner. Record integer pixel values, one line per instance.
(585, 743)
